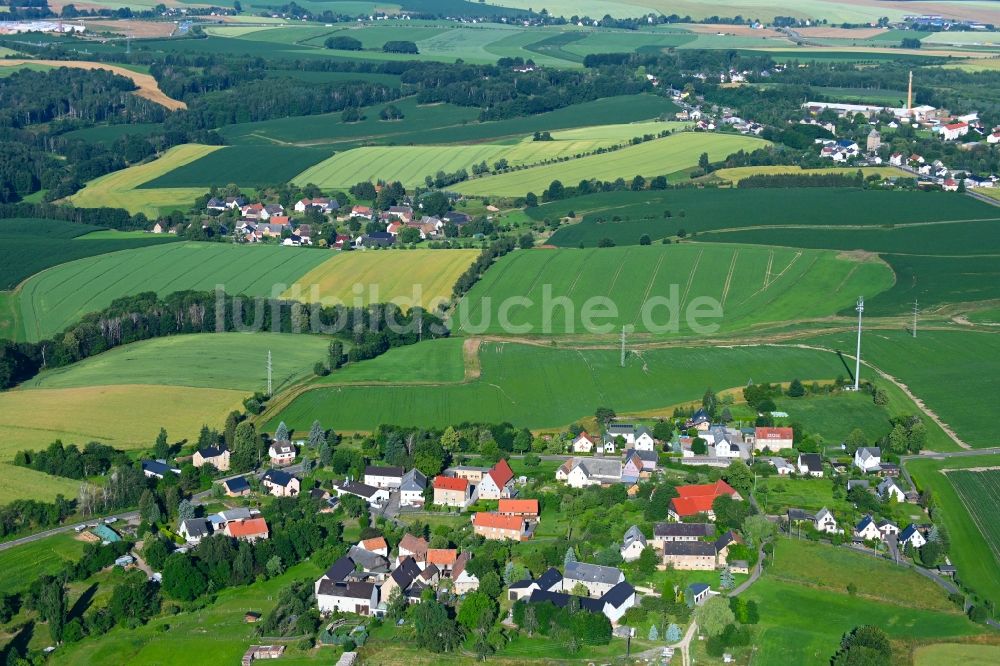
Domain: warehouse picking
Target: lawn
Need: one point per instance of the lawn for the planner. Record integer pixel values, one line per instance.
(35, 418)
(645, 286)
(541, 387)
(952, 371)
(246, 166)
(23, 564)
(956, 654)
(24, 483)
(651, 158)
(120, 189)
(51, 301)
(407, 277)
(234, 361)
(970, 552)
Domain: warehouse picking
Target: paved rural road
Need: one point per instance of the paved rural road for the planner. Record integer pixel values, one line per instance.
(683, 646)
(758, 570)
(953, 454)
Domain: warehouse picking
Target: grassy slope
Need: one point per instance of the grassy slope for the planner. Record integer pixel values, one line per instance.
(950, 654)
(56, 298)
(951, 371)
(977, 565)
(753, 285)
(434, 361)
(652, 158)
(24, 564)
(411, 277)
(23, 483)
(247, 166)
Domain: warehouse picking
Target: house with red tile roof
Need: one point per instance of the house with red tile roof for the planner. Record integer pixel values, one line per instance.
(697, 499)
(528, 508)
(497, 483)
(250, 529)
(494, 527)
(452, 491)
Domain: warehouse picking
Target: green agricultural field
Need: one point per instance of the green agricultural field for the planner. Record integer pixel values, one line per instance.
(431, 362)
(736, 174)
(247, 166)
(937, 281)
(980, 494)
(23, 483)
(526, 385)
(234, 361)
(951, 371)
(24, 564)
(652, 158)
(410, 277)
(749, 285)
(956, 654)
(54, 299)
(111, 133)
(974, 557)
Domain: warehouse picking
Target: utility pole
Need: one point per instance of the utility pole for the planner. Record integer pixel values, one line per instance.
(622, 362)
(857, 360)
(268, 373)
(915, 311)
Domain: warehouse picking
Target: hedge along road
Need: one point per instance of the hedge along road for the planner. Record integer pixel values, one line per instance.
(147, 86)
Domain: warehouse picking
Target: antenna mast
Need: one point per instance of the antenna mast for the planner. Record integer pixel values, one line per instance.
(915, 311)
(857, 359)
(269, 373)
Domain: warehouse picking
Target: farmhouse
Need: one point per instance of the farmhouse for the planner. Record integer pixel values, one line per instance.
(250, 529)
(497, 483)
(453, 491)
(811, 464)
(912, 537)
(549, 581)
(582, 472)
(411, 488)
(376, 497)
(596, 578)
(773, 439)
(494, 527)
(346, 597)
(526, 508)
(583, 443)
(415, 547)
(890, 490)
(868, 458)
(613, 604)
(697, 499)
(216, 456)
(689, 555)
(157, 469)
(281, 453)
(280, 484)
(383, 477)
(633, 543)
(672, 532)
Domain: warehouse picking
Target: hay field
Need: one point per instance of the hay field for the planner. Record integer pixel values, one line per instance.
(652, 158)
(736, 174)
(407, 277)
(53, 299)
(146, 84)
(119, 189)
(25, 483)
(34, 418)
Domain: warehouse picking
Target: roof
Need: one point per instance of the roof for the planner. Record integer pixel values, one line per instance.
(340, 569)
(619, 594)
(282, 447)
(450, 483)
(774, 433)
(642, 455)
(359, 489)
(529, 506)
(549, 579)
(501, 473)
(442, 556)
(377, 543)
(155, 467)
(812, 461)
(866, 452)
(907, 532)
(633, 534)
(238, 513)
(369, 561)
(865, 522)
(799, 514)
(496, 521)
(600, 467)
(728, 538)
(698, 588)
(277, 477)
(106, 533)
(351, 590)
(594, 573)
(562, 600)
(689, 506)
(196, 527)
(522, 584)
(212, 451)
(684, 529)
(429, 572)
(405, 573)
(375, 470)
(251, 527)
(414, 544)
(585, 435)
(701, 548)
(239, 484)
(413, 480)
(713, 490)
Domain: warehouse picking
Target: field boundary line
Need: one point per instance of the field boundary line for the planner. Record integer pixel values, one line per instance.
(975, 518)
(847, 277)
(694, 269)
(729, 276)
(767, 272)
(649, 287)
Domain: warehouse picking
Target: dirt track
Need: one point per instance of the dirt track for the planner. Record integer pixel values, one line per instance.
(147, 85)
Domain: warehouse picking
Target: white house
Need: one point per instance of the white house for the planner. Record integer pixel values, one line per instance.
(497, 483)
(157, 469)
(825, 522)
(912, 536)
(889, 490)
(724, 448)
(617, 601)
(583, 443)
(887, 528)
(281, 453)
(782, 466)
(954, 131)
(411, 489)
(596, 578)
(578, 473)
(868, 458)
(633, 543)
(383, 477)
(194, 529)
(811, 464)
(346, 596)
(372, 495)
(896, 159)
(867, 530)
(643, 440)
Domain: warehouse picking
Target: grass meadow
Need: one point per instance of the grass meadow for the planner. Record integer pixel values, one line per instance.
(436, 362)
(22, 565)
(24, 483)
(956, 654)
(652, 158)
(120, 189)
(980, 494)
(247, 166)
(408, 277)
(542, 387)
(753, 286)
(952, 371)
(977, 562)
(52, 300)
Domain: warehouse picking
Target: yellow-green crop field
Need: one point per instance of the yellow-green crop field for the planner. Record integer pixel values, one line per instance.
(736, 174)
(408, 277)
(25, 483)
(119, 189)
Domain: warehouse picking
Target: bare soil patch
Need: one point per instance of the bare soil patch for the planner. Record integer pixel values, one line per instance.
(139, 29)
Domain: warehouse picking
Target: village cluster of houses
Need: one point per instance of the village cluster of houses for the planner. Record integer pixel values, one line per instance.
(362, 581)
(379, 482)
(608, 592)
(691, 110)
(239, 523)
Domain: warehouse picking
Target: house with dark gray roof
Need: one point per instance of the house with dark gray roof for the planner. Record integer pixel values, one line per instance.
(666, 532)
(690, 555)
(157, 468)
(194, 529)
(613, 604)
(411, 488)
(596, 578)
(356, 597)
(374, 496)
(633, 543)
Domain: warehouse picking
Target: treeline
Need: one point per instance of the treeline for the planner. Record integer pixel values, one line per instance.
(803, 180)
(374, 329)
(21, 515)
(69, 461)
(472, 275)
(112, 218)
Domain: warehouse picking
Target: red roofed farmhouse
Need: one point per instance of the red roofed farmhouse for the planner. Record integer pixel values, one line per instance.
(774, 439)
(496, 527)
(498, 482)
(452, 491)
(698, 499)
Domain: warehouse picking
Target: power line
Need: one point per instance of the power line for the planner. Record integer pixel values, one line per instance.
(857, 361)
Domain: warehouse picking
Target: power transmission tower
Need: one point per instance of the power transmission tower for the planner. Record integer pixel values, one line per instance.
(915, 311)
(269, 373)
(857, 359)
(623, 348)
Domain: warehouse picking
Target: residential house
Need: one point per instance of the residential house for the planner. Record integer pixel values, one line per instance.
(613, 604)
(633, 543)
(632, 467)
(157, 469)
(887, 528)
(377, 545)
(724, 543)
(411, 488)
(637, 437)
(896, 159)
(195, 529)
(161, 228)
(280, 484)
(782, 466)
(376, 497)
(473, 475)
(525, 508)
(375, 239)
(889, 490)
(369, 562)
(549, 581)
(274, 210)
(216, 456)
(383, 477)
(580, 473)
(739, 566)
(725, 446)
(774, 439)
(954, 131)
(874, 141)
(415, 547)
(647, 460)
(497, 483)
(236, 487)
(453, 491)
(690, 555)
(250, 529)
(443, 558)
(683, 532)
(643, 440)
(609, 444)
(355, 597)
(215, 204)
(811, 464)
(463, 581)
(699, 420)
(404, 575)
(867, 530)
(699, 593)
(596, 578)
(695, 499)
(824, 521)
(494, 527)
(911, 536)
(281, 453)
(868, 458)
(583, 443)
